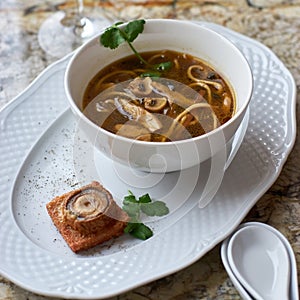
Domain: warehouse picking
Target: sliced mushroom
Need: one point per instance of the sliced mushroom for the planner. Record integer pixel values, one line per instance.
(87, 211)
(106, 106)
(141, 86)
(173, 96)
(90, 209)
(155, 104)
(134, 131)
(139, 114)
(88, 204)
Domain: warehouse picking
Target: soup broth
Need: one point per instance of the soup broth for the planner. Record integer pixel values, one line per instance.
(187, 100)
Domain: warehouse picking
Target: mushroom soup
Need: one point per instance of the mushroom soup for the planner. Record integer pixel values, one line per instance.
(187, 100)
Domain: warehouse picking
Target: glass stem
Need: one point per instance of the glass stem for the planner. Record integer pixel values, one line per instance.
(80, 19)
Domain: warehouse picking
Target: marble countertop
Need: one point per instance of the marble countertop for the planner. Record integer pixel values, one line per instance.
(275, 23)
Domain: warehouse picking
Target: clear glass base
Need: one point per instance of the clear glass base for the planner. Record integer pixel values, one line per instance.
(60, 35)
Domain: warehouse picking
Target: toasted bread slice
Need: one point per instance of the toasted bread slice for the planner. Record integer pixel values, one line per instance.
(106, 225)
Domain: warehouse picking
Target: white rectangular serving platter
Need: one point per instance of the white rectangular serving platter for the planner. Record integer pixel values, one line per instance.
(38, 162)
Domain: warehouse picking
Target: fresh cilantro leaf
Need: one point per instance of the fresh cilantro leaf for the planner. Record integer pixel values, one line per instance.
(145, 199)
(130, 198)
(130, 227)
(157, 208)
(132, 209)
(112, 38)
(133, 29)
(141, 231)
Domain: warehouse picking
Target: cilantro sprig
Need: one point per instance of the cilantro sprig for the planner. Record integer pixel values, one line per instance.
(135, 208)
(114, 36)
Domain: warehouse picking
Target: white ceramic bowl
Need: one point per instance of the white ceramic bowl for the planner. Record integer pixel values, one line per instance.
(182, 36)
